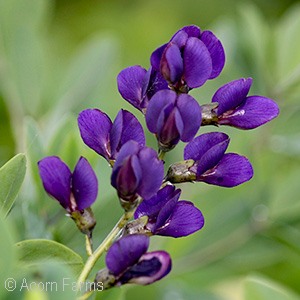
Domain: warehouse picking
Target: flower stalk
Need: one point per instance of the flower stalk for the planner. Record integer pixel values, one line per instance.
(93, 258)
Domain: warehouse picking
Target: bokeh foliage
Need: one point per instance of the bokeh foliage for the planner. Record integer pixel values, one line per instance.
(59, 57)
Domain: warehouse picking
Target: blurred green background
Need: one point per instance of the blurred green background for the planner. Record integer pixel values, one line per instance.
(59, 57)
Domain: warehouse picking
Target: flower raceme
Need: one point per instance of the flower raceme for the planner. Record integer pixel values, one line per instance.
(187, 61)
(136, 172)
(75, 192)
(106, 138)
(206, 161)
(128, 261)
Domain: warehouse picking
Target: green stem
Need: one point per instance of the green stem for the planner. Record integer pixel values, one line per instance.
(161, 154)
(88, 245)
(103, 247)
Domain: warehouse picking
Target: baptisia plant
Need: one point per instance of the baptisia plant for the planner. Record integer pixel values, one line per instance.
(148, 195)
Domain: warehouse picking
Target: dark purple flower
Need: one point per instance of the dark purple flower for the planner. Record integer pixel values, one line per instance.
(237, 109)
(173, 117)
(105, 137)
(205, 160)
(128, 261)
(136, 172)
(190, 58)
(213, 165)
(169, 217)
(75, 192)
(137, 85)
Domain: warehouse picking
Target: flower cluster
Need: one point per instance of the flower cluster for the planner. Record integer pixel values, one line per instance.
(187, 61)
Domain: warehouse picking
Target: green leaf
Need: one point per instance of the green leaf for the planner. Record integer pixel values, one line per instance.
(46, 281)
(6, 253)
(288, 58)
(34, 147)
(259, 288)
(284, 205)
(86, 75)
(24, 56)
(33, 252)
(11, 177)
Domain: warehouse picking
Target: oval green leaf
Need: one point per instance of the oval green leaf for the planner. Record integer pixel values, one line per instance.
(34, 252)
(11, 178)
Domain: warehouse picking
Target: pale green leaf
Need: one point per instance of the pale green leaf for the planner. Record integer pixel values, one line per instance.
(87, 73)
(45, 281)
(33, 252)
(34, 147)
(6, 253)
(259, 288)
(23, 52)
(11, 178)
(288, 48)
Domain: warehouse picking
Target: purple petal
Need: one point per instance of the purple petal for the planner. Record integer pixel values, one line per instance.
(152, 267)
(95, 126)
(232, 94)
(126, 252)
(154, 82)
(152, 170)
(128, 177)
(171, 64)
(169, 126)
(180, 39)
(185, 220)
(254, 111)
(207, 150)
(84, 184)
(129, 148)
(164, 214)
(56, 178)
(191, 30)
(151, 206)
(216, 51)
(156, 57)
(232, 170)
(160, 100)
(130, 84)
(125, 127)
(197, 63)
(190, 113)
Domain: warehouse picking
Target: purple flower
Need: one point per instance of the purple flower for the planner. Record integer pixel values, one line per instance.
(136, 172)
(137, 85)
(190, 58)
(128, 261)
(75, 192)
(205, 160)
(237, 109)
(172, 118)
(105, 137)
(169, 217)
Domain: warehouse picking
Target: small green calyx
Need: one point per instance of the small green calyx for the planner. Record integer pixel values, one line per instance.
(84, 220)
(209, 115)
(181, 172)
(104, 280)
(137, 226)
